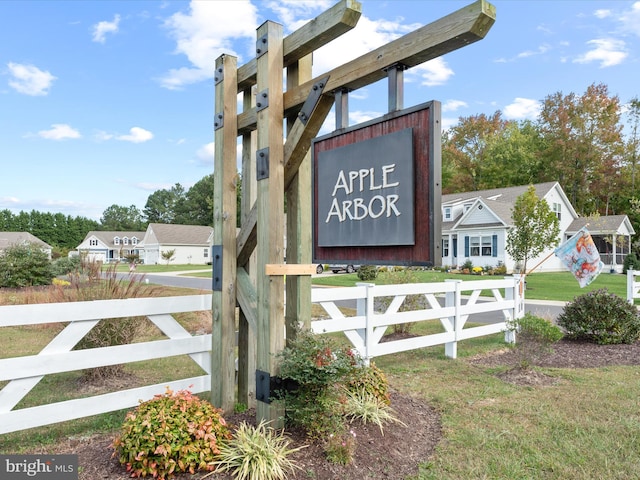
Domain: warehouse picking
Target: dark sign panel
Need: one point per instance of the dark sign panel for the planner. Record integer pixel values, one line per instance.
(367, 192)
(377, 190)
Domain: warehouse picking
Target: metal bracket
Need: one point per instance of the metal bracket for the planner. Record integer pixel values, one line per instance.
(266, 386)
(262, 100)
(312, 100)
(219, 75)
(262, 163)
(262, 46)
(216, 265)
(218, 121)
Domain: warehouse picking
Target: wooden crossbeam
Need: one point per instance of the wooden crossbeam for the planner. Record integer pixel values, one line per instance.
(456, 30)
(327, 26)
(289, 269)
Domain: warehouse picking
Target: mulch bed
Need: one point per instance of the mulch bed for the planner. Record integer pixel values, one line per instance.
(392, 455)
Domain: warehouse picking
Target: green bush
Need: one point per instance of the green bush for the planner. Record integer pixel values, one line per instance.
(631, 262)
(173, 432)
(411, 302)
(65, 265)
(257, 452)
(24, 265)
(601, 317)
(367, 273)
(534, 338)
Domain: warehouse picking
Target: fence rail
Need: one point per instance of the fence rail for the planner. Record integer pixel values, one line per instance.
(633, 286)
(452, 303)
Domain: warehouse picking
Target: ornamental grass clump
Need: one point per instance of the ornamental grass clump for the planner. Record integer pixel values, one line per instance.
(257, 452)
(535, 337)
(601, 317)
(173, 432)
(367, 407)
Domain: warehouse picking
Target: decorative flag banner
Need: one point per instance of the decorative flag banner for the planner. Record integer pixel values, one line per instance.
(581, 257)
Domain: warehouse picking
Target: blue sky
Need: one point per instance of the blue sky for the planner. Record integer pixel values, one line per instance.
(105, 102)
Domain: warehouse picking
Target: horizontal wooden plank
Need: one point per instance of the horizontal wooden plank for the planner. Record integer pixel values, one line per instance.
(289, 269)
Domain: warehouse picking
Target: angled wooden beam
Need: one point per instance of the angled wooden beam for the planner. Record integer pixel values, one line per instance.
(295, 148)
(247, 298)
(327, 26)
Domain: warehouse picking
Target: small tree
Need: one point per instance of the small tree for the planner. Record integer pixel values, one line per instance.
(535, 228)
(24, 265)
(168, 255)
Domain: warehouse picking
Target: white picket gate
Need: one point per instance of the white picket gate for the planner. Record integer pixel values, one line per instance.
(633, 286)
(452, 303)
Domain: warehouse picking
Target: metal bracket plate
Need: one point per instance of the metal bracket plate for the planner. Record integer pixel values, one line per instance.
(263, 386)
(262, 163)
(216, 264)
(262, 100)
(218, 121)
(312, 100)
(262, 46)
(219, 75)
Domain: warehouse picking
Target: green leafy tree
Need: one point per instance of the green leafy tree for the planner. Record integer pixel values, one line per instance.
(24, 265)
(164, 206)
(535, 228)
(197, 208)
(119, 218)
(168, 255)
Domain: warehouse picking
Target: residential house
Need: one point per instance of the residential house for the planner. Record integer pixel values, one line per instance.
(191, 243)
(107, 247)
(475, 226)
(8, 239)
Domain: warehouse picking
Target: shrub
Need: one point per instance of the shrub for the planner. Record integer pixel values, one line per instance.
(631, 262)
(411, 302)
(372, 380)
(467, 265)
(367, 272)
(534, 338)
(65, 265)
(340, 447)
(173, 432)
(24, 265)
(257, 452)
(601, 317)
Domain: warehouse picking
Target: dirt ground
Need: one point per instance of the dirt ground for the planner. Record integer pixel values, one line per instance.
(394, 455)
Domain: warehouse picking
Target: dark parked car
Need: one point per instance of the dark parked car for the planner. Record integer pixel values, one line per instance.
(344, 268)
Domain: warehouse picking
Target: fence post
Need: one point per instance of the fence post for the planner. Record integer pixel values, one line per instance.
(452, 299)
(631, 274)
(365, 306)
(515, 293)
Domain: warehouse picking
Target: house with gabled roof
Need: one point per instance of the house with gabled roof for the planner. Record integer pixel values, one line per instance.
(9, 239)
(475, 227)
(191, 243)
(108, 247)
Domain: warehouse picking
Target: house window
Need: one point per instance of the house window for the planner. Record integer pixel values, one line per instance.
(134, 241)
(445, 247)
(206, 253)
(125, 241)
(557, 209)
(116, 240)
(482, 246)
(93, 242)
(447, 213)
(467, 206)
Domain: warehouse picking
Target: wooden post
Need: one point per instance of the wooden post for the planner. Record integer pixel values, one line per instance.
(224, 236)
(270, 206)
(298, 287)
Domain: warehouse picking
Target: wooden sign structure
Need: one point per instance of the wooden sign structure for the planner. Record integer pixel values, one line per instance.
(273, 168)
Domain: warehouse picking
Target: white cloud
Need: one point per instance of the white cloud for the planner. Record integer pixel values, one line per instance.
(29, 79)
(101, 29)
(59, 131)
(206, 152)
(152, 187)
(136, 135)
(453, 105)
(607, 51)
(630, 19)
(289, 12)
(360, 116)
(203, 34)
(602, 13)
(530, 53)
(522, 108)
(434, 72)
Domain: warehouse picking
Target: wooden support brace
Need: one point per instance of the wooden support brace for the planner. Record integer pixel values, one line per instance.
(289, 269)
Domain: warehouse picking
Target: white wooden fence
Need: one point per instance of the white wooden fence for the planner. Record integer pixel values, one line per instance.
(452, 303)
(24, 373)
(633, 286)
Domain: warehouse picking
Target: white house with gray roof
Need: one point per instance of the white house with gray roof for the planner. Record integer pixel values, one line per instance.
(107, 247)
(475, 226)
(191, 243)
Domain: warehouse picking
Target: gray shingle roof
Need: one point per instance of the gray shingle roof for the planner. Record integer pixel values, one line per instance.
(16, 238)
(181, 234)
